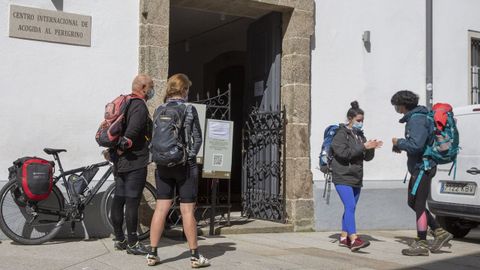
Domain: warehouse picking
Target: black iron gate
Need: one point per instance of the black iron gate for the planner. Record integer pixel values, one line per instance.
(263, 184)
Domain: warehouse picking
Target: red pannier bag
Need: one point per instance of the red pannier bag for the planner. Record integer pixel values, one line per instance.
(35, 177)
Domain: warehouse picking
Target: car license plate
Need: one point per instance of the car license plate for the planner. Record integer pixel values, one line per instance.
(453, 187)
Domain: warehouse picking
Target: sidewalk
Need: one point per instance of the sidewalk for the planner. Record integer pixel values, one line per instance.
(248, 251)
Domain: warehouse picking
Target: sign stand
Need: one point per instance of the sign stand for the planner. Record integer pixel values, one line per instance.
(213, 206)
(218, 162)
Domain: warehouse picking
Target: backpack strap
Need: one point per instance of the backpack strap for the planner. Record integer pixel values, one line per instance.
(425, 168)
(187, 128)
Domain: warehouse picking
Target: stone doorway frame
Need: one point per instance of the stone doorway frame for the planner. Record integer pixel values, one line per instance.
(298, 30)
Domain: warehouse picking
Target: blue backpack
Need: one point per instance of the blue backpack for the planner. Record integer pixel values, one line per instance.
(443, 145)
(326, 154)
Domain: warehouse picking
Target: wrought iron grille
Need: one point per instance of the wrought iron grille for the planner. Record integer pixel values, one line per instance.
(263, 185)
(218, 107)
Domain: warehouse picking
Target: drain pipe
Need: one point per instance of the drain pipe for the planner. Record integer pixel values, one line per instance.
(429, 51)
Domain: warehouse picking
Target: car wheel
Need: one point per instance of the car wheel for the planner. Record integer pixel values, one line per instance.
(455, 226)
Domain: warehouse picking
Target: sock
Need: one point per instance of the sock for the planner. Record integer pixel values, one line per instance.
(132, 239)
(422, 235)
(153, 251)
(194, 253)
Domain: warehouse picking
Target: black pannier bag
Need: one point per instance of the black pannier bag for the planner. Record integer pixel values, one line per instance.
(80, 182)
(34, 176)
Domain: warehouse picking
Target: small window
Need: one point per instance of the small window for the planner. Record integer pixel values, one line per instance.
(475, 67)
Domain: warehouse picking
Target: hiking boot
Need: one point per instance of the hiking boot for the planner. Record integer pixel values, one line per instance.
(199, 262)
(358, 243)
(120, 245)
(345, 242)
(152, 259)
(417, 248)
(441, 239)
(137, 249)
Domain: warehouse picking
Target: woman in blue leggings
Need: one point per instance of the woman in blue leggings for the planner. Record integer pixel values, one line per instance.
(350, 148)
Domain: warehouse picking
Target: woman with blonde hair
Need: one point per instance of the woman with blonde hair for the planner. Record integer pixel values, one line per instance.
(176, 140)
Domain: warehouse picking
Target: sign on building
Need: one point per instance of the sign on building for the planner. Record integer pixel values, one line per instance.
(49, 25)
(218, 149)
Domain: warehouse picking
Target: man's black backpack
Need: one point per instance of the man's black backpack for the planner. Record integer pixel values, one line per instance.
(168, 146)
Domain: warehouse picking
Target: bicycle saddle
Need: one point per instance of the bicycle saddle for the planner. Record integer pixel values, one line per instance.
(52, 151)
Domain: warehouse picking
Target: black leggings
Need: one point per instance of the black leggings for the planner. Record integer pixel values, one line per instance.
(128, 192)
(131, 218)
(418, 202)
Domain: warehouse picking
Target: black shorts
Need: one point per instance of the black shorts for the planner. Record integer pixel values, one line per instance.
(184, 178)
(131, 184)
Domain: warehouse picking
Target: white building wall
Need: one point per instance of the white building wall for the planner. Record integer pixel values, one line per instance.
(343, 71)
(452, 19)
(53, 95)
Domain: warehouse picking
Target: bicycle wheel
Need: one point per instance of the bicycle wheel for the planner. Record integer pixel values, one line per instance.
(24, 222)
(145, 210)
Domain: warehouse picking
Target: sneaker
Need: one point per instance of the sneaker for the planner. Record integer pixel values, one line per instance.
(152, 260)
(120, 245)
(137, 249)
(417, 248)
(344, 242)
(199, 262)
(358, 243)
(441, 238)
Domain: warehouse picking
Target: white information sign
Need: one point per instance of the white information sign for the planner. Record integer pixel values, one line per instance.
(218, 149)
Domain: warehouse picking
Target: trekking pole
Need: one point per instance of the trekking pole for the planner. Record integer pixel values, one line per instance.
(325, 187)
(329, 189)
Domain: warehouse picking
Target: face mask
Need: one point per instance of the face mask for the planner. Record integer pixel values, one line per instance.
(150, 93)
(397, 108)
(358, 125)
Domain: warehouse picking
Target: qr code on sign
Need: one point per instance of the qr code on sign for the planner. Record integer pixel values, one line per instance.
(218, 160)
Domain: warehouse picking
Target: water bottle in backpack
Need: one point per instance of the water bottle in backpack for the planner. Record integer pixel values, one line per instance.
(326, 155)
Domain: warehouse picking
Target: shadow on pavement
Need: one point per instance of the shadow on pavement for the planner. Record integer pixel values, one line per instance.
(461, 262)
(409, 240)
(58, 241)
(367, 237)
(209, 251)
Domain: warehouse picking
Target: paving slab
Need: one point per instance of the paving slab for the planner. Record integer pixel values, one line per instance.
(316, 250)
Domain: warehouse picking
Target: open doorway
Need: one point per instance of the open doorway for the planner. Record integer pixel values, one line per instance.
(211, 49)
(220, 53)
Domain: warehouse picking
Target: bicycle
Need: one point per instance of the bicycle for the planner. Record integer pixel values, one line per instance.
(33, 223)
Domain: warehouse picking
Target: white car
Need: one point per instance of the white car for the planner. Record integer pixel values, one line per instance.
(456, 203)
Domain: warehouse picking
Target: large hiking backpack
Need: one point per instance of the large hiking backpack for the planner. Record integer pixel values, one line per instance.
(443, 142)
(326, 154)
(34, 177)
(168, 146)
(112, 127)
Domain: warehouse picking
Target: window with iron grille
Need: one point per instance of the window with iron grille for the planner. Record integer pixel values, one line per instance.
(475, 66)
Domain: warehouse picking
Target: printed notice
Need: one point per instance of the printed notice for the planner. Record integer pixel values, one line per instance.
(218, 149)
(219, 130)
(258, 88)
(50, 25)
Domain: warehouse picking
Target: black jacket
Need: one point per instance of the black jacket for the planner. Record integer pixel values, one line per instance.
(138, 129)
(348, 156)
(417, 132)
